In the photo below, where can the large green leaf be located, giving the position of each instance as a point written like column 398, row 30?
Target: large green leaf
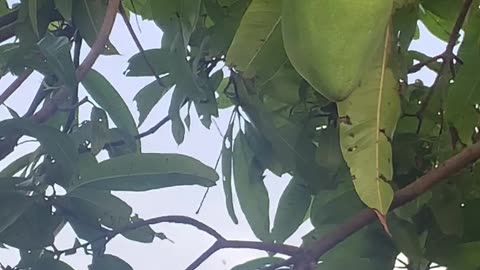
column 34, row 229
column 368, row 120
column 109, row 99
column 158, row 59
column 257, row 45
column 291, row 211
column 251, row 191
column 141, row 172
column 88, row 16
column 464, row 95
column 55, row 143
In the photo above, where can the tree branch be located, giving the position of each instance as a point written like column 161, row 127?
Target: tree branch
column 51, row 106
column 403, row 196
column 220, row 243
column 15, row 85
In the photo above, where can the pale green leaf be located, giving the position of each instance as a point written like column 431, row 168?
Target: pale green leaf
column 368, row 120
column 150, row 95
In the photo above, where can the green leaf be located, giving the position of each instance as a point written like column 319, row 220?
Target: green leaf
column 291, row 211
column 368, row 120
column 88, row 16
column 334, row 206
column 109, row 99
column 141, row 172
column 463, row 95
column 51, row 264
column 65, row 8
column 406, row 238
column 150, row 95
column 251, row 191
column 158, row 58
column 14, row 205
column 168, row 13
column 17, row 165
column 57, row 52
column 109, row 262
column 34, row 229
column 446, row 206
column 258, row 41
column 32, row 13
column 108, row 209
column 258, row 264
column 55, row 143
column 143, row 234
column 227, row 152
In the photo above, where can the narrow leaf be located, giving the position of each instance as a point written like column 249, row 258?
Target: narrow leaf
column 150, row 95
column 141, row 172
column 251, row 191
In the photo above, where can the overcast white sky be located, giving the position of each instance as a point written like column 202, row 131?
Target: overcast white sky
column 200, row 143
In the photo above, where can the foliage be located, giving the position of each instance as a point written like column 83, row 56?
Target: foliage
column 343, row 155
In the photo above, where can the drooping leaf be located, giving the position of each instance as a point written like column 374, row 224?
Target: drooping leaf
column 227, row 155
column 109, row 99
column 109, row 262
column 368, row 119
column 141, row 172
column 14, row 205
column 251, row 191
column 88, row 17
column 292, row 208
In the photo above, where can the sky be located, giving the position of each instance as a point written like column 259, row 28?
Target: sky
column 200, row 143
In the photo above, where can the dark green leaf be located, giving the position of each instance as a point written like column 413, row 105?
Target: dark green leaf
column 56, row 143
column 251, row 191
column 291, row 210
column 51, row 264
column 109, row 262
column 227, row 172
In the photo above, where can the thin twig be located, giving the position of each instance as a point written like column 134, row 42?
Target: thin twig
column 139, row 46
column 15, row 85
column 448, row 57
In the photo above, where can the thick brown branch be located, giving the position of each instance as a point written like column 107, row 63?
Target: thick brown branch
column 15, row 85
column 403, row 196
